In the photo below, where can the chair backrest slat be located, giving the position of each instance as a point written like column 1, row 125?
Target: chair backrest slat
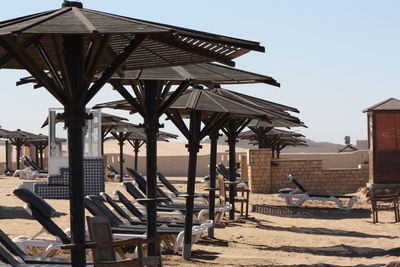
column 132, row 209
column 117, row 208
column 10, row 245
column 167, row 183
column 294, row 180
column 7, row 258
column 100, row 231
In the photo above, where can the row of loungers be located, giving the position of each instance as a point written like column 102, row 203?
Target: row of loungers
column 132, row 222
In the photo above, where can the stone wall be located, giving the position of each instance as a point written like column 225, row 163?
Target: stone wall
column 265, row 177
column 259, row 170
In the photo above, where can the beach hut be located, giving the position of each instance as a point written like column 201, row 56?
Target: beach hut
column 384, row 142
column 74, row 44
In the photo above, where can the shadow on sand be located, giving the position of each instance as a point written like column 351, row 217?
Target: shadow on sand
column 336, row 251
column 321, row 231
column 19, row 213
column 204, row 255
column 206, row 241
column 328, row 265
column 314, row 212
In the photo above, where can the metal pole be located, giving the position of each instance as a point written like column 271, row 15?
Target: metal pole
column 193, row 148
column 151, row 124
column 213, row 164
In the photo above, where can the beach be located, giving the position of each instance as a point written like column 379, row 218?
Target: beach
column 315, row 234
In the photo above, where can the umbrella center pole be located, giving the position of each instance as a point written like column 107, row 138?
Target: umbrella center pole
column 121, row 157
column 212, row 183
column 75, row 122
column 193, row 148
column 232, row 174
column 151, row 125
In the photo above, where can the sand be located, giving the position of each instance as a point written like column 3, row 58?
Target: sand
column 314, row 235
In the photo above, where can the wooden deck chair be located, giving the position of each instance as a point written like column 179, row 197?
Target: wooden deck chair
column 382, row 200
column 243, row 200
column 106, row 249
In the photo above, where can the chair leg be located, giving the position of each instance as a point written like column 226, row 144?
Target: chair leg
column 247, row 205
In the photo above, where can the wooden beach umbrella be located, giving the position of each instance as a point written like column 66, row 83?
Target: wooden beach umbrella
column 275, row 139
column 19, row 138
column 207, row 74
column 233, row 127
column 200, row 106
column 261, row 129
column 2, row 133
column 136, row 137
column 64, row 49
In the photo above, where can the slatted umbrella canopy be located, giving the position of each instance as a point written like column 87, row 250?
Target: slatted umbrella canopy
column 64, row 49
column 276, row 139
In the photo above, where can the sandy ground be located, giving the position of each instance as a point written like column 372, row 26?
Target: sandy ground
column 314, row 235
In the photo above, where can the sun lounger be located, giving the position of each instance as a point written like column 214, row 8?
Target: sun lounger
column 295, row 199
column 43, row 213
column 168, row 202
column 17, row 252
column 174, row 190
column 7, row 258
column 27, row 161
column 171, row 235
column 141, row 217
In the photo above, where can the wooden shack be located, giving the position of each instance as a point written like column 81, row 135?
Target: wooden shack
column 384, row 142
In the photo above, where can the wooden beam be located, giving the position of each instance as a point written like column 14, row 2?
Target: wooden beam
column 176, row 118
column 172, row 98
column 58, row 48
column 128, row 97
column 25, row 44
column 30, row 65
column 117, row 62
column 95, row 54
column 50, row 66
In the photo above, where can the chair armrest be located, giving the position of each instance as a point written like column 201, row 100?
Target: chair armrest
column 238, row 189
column 89, row 244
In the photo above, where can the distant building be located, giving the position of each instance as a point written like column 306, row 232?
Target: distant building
column 362, row 144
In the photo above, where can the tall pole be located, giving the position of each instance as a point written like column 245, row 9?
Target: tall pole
column 136, row 145
column 7, row 157
column 75, row 121
column 232, row 166
column 121, row 155
column 151, row 124
column 193, row 148
column 213, row 175
column 18, row 148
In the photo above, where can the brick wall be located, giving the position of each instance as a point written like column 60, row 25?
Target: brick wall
column 264, row 178
column 259, row 168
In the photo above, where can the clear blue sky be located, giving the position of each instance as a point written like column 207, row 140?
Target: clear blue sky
column 333, row 58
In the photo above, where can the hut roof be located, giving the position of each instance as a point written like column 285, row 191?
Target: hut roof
column 388, row 104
